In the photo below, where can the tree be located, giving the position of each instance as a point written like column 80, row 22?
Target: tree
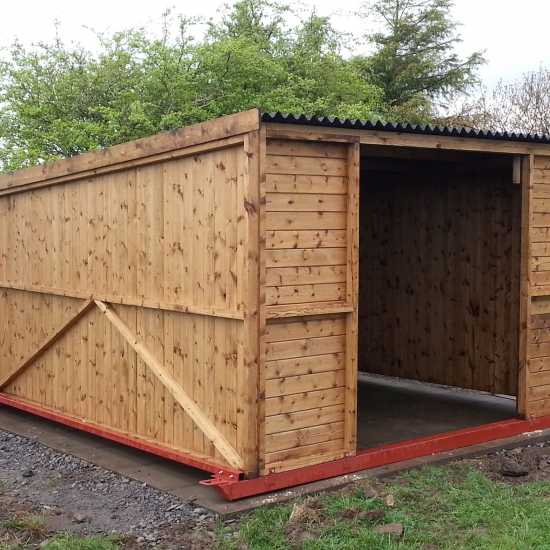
column 58, row 100
column 520, row 105
column 414, row 60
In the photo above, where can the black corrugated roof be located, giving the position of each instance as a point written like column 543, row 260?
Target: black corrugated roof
column 425, row 129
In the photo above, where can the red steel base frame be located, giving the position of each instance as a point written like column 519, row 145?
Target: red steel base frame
column 379, row 456
column 152, row 448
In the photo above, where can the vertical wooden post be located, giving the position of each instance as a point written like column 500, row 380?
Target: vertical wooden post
column 523, row 368
column 352, row 294
column 247, row 379
column 262, row 300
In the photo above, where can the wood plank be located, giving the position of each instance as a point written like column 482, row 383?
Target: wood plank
column 304, row 365
column 305, row 165
column 539, row 335
column 307, row 220
column 304, row 347
column 47, row 344
column 288, row 276
column 542, row 162
column 248, row 413
column 538, row 349
column 541, row 205
column 195, row 413
column 541, row 176
column 304, row 419
column 539, row 321
column 540, row 305
column 539, row 378
column 302, row 183
column 307, row 452
column 540, row 249
column 540, row 191
column 537, row 392
column 302, row 202
column 539, row 219
column 352, row 298
column 540, row 263
column 220, row 128
column 139, row 301
column 299, row 294
column 293, row 148
column 304, row 401
column 538, row 364
column 304, row 383
column 305, row 436
column 403, row 139
column 329, row 238
column 539, row 234
column 304, row 257
column 293, row 464
column 304, row 328
column 299, row 310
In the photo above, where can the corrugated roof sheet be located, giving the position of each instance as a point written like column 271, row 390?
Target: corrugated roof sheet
column 425, row 129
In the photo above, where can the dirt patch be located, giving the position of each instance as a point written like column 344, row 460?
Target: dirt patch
column 518, row 465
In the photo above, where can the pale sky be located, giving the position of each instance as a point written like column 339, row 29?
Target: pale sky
column 514, row 34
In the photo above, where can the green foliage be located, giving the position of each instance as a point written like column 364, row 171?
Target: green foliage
column 415, row 62
column 58, row 100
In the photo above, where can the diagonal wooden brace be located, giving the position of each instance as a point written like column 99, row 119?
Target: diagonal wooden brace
column 194, row 412
column 48, row 343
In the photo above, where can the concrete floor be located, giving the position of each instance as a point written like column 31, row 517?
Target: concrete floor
column 389, row 411
column 392, row 410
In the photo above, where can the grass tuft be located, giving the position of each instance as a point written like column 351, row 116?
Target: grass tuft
column 72, row 542
column 448, row 508
column 33, row 525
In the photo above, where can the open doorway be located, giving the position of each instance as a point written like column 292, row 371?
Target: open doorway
column 438, row 292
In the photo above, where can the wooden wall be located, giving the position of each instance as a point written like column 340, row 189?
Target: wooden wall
column 170, row 236
column 536, row 375
column 439, row 272
column 307, row 303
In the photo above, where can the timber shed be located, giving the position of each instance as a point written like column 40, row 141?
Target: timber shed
column 240, row 295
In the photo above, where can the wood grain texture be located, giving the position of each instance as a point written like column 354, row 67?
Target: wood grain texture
column 307, row 281
column 535, row 296
column 169, row 243
column 439, row 283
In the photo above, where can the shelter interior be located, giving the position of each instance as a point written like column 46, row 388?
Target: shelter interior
column 439, row 290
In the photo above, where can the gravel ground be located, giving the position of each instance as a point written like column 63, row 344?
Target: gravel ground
column 83, row 498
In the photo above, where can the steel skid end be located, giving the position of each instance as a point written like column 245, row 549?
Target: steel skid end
column 220, row 479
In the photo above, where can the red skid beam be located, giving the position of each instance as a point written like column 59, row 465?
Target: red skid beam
column 152, row 448
column 379, row 456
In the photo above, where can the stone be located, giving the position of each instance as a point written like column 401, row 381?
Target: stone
column 79, row 518
column 511, row 468
column 394, row 529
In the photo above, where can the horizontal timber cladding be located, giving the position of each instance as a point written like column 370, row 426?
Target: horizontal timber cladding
column 537, row 242
column 439, row 277
column 307, row 261
column 172, row 236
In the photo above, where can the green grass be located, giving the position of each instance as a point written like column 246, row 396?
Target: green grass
column 444, row 508
column 29, row 523
column 72, row 542
column 27, row 531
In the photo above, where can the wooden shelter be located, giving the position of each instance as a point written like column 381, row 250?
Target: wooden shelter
column 200, row 294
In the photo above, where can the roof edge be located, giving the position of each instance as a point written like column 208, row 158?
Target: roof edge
column 408, row 128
